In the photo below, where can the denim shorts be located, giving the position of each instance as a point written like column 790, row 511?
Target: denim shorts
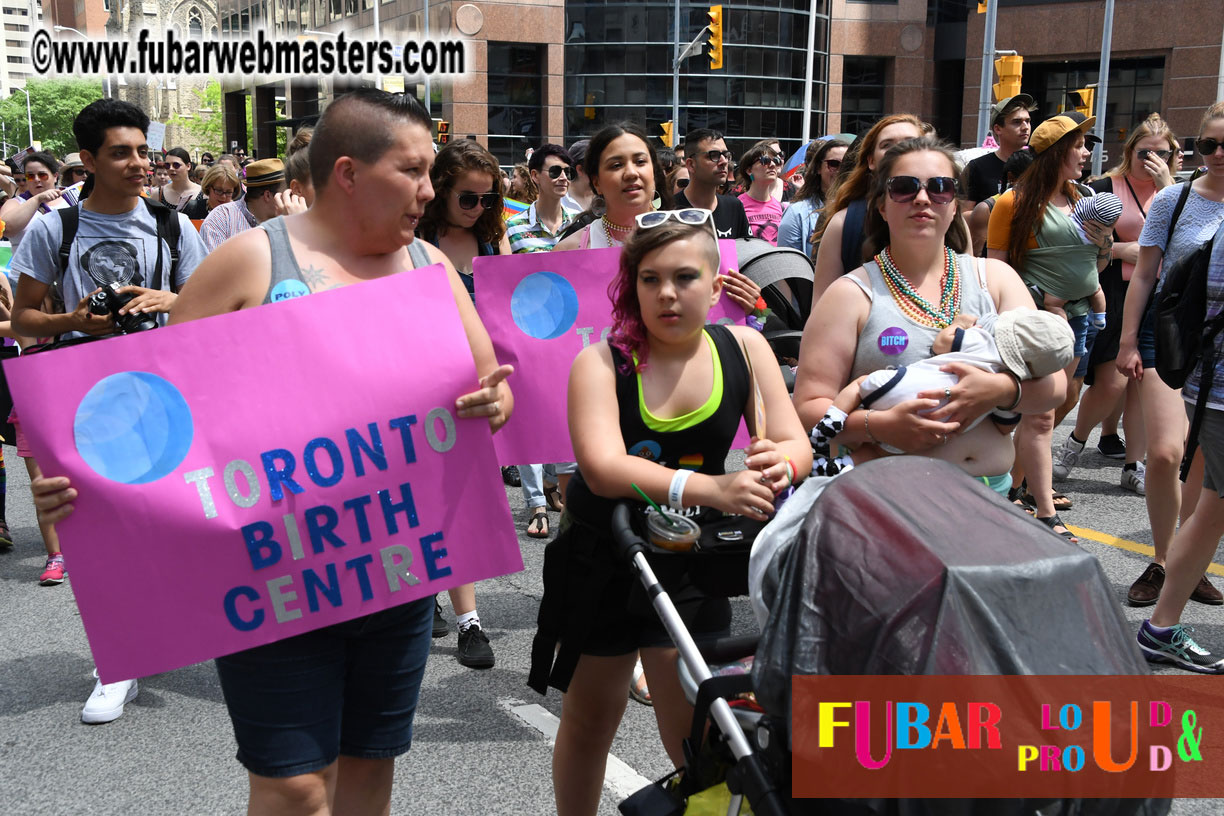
column 1147, row 336
column 1080, row 327
column 349, row 689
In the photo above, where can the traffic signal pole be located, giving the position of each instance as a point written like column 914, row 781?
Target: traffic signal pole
column 1102, row 94
column 988, row 50
column 676, row 78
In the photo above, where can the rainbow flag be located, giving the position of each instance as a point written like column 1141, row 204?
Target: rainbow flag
column 514, row 207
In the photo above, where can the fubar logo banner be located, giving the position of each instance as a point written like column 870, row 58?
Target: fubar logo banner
column 1008, row 737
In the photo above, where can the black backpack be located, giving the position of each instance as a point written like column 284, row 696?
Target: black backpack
column 168, row 229
column 1185, row 339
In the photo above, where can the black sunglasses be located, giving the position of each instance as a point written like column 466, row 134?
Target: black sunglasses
column 904, row 189
column 486, row 200
column 833, row 164
column 1163, row 154
column 716, row 156
column 769, row 161
column 1206, row 147
column 681, row 183
column 557, row 170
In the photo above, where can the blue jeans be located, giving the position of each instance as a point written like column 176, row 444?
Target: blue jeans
column 533, row 477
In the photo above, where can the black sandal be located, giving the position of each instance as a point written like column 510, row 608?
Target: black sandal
column 542, row 531
column 1054, row 521
column 6, row 537
column 552, row 494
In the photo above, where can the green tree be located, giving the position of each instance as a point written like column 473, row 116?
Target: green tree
column 54, row 103
column 208, row 128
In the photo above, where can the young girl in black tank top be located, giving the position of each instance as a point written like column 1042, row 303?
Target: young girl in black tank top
column 657, row 407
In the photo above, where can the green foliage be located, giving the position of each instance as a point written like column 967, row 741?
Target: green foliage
column 54, row 103
column 208, row 129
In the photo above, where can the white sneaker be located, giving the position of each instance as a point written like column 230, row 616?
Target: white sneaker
column 1066, row 458
column 1135, row 480
column 107, row 701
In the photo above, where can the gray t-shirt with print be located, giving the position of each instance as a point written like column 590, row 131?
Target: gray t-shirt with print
column 120, row 249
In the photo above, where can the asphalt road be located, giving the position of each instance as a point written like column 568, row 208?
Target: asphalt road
column 480, row 744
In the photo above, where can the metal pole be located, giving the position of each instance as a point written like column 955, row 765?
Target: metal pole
column 1220, row 74
column 988, row 45
column 1102, row 92
column 810, row 75
column 676, row 78
column 424, row 35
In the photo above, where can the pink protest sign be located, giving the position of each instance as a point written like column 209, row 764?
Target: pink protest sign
column 541, row 309
column 260, row 474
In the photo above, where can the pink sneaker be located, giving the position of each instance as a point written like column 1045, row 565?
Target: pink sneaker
column 54, row 573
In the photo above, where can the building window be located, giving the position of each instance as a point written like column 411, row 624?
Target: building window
column 862, row 92
column 516, row 99
column 195, row 24
column 1135, row 90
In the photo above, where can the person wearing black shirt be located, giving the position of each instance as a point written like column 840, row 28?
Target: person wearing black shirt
column 1011, row 124
column 709, row 163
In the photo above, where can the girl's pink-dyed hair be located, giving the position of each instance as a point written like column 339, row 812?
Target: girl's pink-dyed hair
column 628, row 335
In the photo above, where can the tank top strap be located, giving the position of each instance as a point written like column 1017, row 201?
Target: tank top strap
column 418, row 254
column 285, row 280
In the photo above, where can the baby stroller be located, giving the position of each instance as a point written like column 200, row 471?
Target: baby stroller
column 786, row 280
column 880, row 577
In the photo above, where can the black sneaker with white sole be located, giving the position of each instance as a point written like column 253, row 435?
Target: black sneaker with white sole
column 440, row 627
column 1174, row 645
column 474, row 649
column 1112, row 446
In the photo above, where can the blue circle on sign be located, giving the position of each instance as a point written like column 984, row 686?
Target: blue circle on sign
column 133, row 428
column 544, row 305
column 289, row 289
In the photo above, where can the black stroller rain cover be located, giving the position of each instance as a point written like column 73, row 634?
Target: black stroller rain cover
column 907, row 566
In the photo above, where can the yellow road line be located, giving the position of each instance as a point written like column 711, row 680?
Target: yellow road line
column 1129, row 546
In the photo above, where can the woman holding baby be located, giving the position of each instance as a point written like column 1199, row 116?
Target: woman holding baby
column 1031, row 228
column 890, row 310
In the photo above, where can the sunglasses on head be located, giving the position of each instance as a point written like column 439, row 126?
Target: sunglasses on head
column 904, row 189
column 1206, row 147
column 693, row 217
column 557, row 170
column 833, row 164
column 1163, row 154
column 486, row 201
column 769, row 161
column 718, row 155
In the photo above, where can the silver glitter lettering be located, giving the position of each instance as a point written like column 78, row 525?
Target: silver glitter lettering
column 295, row 539
column 448, row 424
column 200, row 479
column 279, row 597
column 231, row 487
column 585, row 333
column 397, row 571
column 725, row 321
column 603, row 335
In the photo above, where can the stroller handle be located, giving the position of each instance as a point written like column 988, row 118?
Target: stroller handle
column 628, row 543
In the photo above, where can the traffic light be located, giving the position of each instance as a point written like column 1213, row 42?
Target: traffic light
column 1009, row 69
column 443, row 131
column 1087, row 97
column 667, row 133
column 716, row 37
column 982, row 10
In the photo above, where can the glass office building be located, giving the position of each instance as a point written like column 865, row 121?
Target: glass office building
column 618, row 61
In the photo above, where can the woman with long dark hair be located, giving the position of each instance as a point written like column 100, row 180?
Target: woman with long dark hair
column 1162, row 244
column 1031, row 229
column 820, row 168
column 181, row 189
column 839, row 235
column 888, row 311
column 1147, row 166
column 464, row 220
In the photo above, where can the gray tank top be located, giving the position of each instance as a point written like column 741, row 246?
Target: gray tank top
column 286, row 280
column 889, row 338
